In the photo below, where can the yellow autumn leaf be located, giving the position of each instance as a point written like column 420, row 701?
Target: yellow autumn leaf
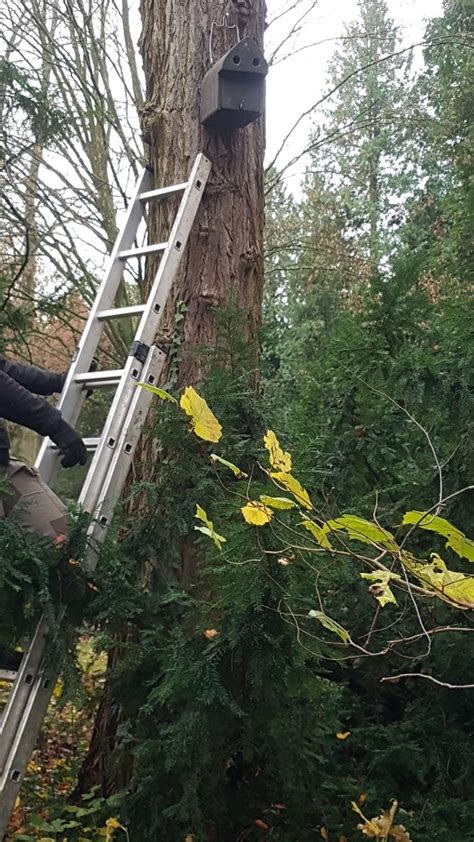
column 369, row 828
column 399, row 833
column 362, row 530
column 203, row 421
column 208, row 528
column 111, row 825
column 449, row 585
column 318, row 532
column 210, row 634
column 456, row 540
column 382, row 827
column 291, row 484
column 160, row 393
column 329, row 624
column 343, row 735
column 58, row 690
column 282, row 503
column 256, row 513
column 380, row 587
column 230, row 465
column 279, row 459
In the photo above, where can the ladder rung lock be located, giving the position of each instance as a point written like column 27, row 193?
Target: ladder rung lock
column 121, row 312
column 15, row 775
column 162, row 191
column 111, row 442
column 124, row 255
column 128, row 448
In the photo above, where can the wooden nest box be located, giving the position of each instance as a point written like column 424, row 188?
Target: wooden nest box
column 233, row 90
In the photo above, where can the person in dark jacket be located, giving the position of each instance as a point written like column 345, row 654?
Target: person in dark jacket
column 40, row 510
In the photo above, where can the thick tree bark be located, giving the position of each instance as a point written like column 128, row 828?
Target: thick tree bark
column 224, row 259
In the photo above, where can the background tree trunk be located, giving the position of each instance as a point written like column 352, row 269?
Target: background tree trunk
column 223, row 263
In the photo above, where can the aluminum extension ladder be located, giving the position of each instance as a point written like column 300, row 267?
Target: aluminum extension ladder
column 26, row 708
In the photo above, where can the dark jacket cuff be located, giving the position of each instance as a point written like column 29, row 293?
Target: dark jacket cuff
column 19, row 405
column 36, row 380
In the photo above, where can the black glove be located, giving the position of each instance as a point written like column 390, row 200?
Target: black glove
column 70, row 444
column 4, row 457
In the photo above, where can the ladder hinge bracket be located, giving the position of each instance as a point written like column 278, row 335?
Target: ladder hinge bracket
column 140, row 351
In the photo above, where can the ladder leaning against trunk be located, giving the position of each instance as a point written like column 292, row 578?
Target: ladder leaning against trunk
column 32, row 687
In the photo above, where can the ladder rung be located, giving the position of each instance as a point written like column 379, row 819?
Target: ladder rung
column 91, row 443
column 120, row 312
column 98, row 379
column 162, row 191
column 123, row 255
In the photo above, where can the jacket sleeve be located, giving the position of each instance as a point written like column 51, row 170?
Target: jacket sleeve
column 17, row 404
column 36, row 380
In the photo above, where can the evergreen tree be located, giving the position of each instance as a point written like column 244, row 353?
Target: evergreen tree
column 360, row 151
column 444, row 205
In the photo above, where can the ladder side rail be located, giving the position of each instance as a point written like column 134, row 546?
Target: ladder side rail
column 122, row 458
column 150, row 321
column 110, row 435
column 21, row 690
column 73, row 394
column 23, row 746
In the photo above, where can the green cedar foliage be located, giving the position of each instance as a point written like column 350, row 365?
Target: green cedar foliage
column 213, row 720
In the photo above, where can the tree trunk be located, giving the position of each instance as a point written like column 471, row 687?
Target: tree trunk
column 224, row 258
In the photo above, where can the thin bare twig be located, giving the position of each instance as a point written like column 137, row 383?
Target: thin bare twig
column 394, row 678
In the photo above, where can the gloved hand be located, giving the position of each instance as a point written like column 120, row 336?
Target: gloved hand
column 70, row 444
column 4, row 457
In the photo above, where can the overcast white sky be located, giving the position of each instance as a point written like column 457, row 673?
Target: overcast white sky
column 294, row 84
